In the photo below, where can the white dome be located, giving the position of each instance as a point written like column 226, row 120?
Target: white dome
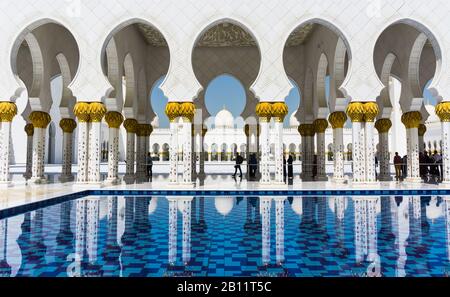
column 224, row 205
column 224, row 119
column 293, row 122
column 433, row 118
column 297, row 205
column 153, row 205
column 155, row 122
column 433, row 210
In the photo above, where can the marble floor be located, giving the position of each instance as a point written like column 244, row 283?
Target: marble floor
column 21, row 193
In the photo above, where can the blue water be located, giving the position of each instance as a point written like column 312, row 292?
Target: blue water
column 230, row 236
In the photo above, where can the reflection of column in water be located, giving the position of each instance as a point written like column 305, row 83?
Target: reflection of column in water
column 5, row 268
column 65, row 234
column 322, row 212
column 173, row 209
column 93, row 215
column 279, row 223
column 186, row 211
column 360, row 229
column 80, row 231
column 415, row 220
column 447, row 225
column 400, row 227
column 111, row 236
column 339, row 205
column 264, row 207
column 373, row 257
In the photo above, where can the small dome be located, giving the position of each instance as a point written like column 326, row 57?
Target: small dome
column 224, row 119
column 224, row 205
column 433, row 118
column 155, row 122
column 153, row 205
column 293, row 122
column 434, row 211
column 297, row 205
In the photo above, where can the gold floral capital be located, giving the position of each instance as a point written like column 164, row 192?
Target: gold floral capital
column 264, row 111
column 356, row 112
column 8, row 110
column 114, row 119
column 320, row 125
column 29, row 129
column 81, row 111
column 130, row 125
column 279, row 111
column 443, row 111
column 412, row 119
column 187, row 111
column 422, row 130
column 68, row 125
column 40, row 119
column 371, row 111
column 383, row 125
column 307, row 130
column 97, row 111
column 172, row 111
column 337, row 119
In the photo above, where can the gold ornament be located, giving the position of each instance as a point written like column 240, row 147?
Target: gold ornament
column 264, row 111
column 337, row 119
column 173, row 111
column 81, row 111
column 279, row 111
column 68, row 125
column 411, row 119
column 383, row 125
column 422, row 130
column 130, row 125
column 97, row 111
column 40, row 119
column 320, row 125
column 443, row 111
column 114, row 119
column 307, row 130
column 29, row 129
column 356, row 112
column 8, row 110
column 187, row 111
column 371, row 111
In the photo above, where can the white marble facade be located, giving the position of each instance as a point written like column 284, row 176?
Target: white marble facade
column 114, row 60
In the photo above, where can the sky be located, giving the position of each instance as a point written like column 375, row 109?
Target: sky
column 226, row 91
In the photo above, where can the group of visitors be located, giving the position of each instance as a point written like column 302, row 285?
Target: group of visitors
column 430, row 166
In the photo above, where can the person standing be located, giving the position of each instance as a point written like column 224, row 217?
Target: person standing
column 438, row 164
column 290, row 163
column 284, row 169
column 398, row 162
column 239, row 161
column 405, row 166
column 149, row 162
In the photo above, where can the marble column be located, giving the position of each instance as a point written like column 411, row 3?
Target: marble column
column 67, row 126
column 264, row 112
column 140, row 153
column 97, row 110
column 412, row 120
column 422, row 131
column 383, row 126
column 29, row 129
column 308, row 132
column 443, row 112
column 370, row 113
column 202, row 173
column 81, row 111
column 131, row 127
column 302, row 131
column 173, row 113
column 320, row 126
column 279, row 112
column 114, row 120
column 187, row 112
column 356, row 112
column 40, row 121
column 337, row 120
column 8, row 111
column 173, row 218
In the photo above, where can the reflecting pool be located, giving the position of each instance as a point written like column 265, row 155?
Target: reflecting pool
column 230, row 236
